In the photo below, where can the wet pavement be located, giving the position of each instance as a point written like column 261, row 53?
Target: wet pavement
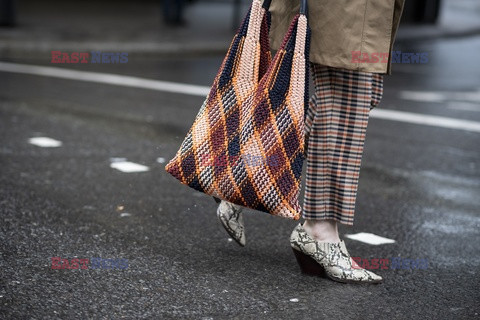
column 419, row 186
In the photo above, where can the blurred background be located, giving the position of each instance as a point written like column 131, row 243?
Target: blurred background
column 150, row 26
column 83, row 149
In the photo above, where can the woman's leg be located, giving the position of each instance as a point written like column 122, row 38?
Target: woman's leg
column 336, row 124
column 322, row 230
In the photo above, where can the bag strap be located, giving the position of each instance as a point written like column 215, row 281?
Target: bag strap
column 303, row 6
column 266, row 4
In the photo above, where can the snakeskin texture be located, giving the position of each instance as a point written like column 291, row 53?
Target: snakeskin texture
column 255, row 109
column 231, row 217
column 333, row 257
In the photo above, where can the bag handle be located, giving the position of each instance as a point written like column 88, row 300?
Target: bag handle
column 266, row 4
column 303, row 6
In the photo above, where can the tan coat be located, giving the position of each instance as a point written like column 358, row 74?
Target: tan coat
column 340, row 27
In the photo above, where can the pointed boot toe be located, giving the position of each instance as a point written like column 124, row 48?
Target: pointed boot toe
column 231, row 217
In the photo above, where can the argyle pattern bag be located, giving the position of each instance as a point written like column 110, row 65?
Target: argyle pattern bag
column 246, row 143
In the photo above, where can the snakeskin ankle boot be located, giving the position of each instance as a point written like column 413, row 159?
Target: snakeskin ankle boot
column 231, row 217
column 328, row 259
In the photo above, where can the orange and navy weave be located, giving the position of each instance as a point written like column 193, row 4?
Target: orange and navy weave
column 255, row 110
column 336, row 123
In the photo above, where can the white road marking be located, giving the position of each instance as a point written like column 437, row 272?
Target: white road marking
column 440, row 96
column 106, row 78
column 128, row 167
column 294, row 300
column 125, row 214
column 45, row 142
column 423, row 96
column 165, row 86
column 161, row 160
column 369, row 238
column 461, row 105
column 429, row 120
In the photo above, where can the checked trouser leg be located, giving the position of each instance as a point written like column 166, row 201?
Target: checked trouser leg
column 335, row 126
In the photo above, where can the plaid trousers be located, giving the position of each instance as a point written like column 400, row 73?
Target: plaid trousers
column 335, row 127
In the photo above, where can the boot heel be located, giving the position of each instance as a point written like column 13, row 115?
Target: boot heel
column 308, row 265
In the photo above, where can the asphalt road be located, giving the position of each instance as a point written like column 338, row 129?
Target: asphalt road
column 419, row 185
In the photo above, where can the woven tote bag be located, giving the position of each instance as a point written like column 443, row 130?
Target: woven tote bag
column 246, row 143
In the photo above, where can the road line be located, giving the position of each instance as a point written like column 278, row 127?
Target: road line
column 369, row 238
column 423, row 96
column 441, row 96
column 425, row 119
column 195, row 90
column 466, row 106
column 106, row 78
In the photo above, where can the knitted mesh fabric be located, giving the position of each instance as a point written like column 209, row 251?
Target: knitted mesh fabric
column 255, row 110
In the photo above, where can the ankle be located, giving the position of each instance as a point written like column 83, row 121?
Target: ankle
column 322, row 230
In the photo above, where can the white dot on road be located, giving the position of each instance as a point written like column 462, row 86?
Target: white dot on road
column 125, row 214
column 45, row 142
column 369, row 238
column 128, row 167
column 294, row 300
column 161, row 160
